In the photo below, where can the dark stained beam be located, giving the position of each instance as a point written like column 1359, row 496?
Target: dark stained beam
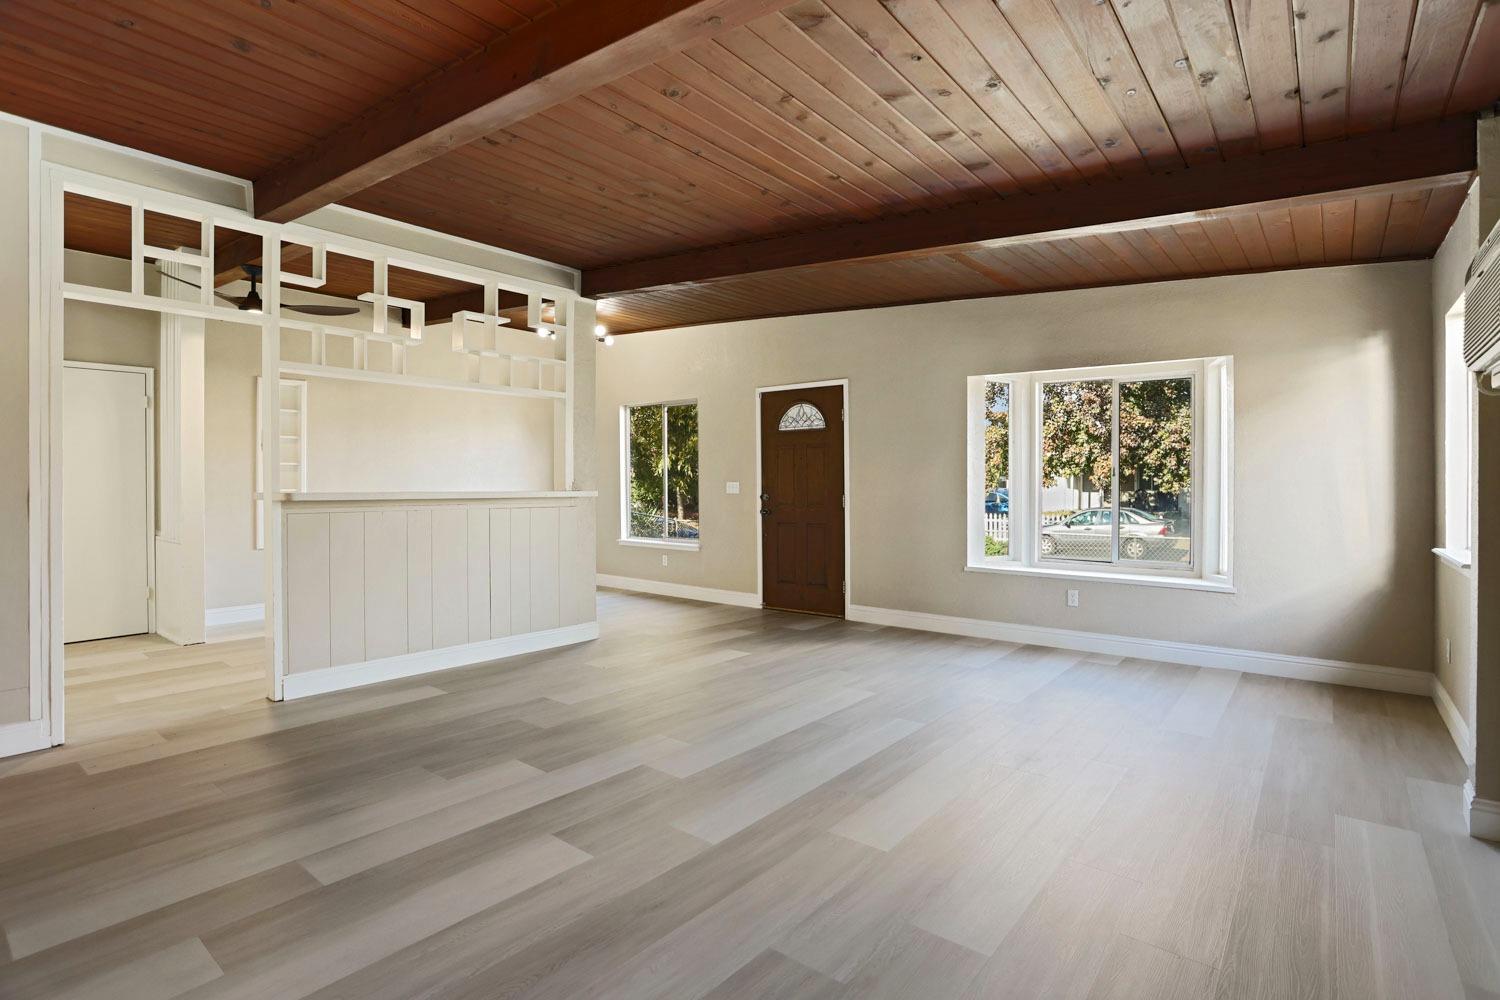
column 1434, row 153
column 243, row 249
column 583, row 45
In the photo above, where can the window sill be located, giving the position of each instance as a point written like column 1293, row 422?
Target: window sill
column 1131, row 579
column 1457, row 558
column 660, row 543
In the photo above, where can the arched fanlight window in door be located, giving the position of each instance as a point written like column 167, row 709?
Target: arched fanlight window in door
column 802, row 417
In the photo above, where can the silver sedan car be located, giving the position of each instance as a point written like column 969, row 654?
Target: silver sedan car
column 1086, row 534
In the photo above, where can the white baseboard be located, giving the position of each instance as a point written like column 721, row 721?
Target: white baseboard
column 738, row 598
column 1305, row 668
column 1484, row 819
column 353, row 675
column 24, row 737
column 1454, row 720
column 237, row 615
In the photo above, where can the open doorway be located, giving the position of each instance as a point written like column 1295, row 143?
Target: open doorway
column 126, row 673
column 126, row 431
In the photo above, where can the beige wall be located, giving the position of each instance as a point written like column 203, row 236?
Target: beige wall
column 1454, row 628
column 110, row 335
column 1487, row 603
column 1333, row 462
column 1467, row 602
column 1486, row 579
column 233, row 568
column 15, row 423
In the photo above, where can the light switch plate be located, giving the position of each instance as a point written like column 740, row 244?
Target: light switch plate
column 731, row 488
column 1072, row 598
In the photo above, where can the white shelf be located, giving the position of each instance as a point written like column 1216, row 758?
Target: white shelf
column 415, row 381
column 460, row 495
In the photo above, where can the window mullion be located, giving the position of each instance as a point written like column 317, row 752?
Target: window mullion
column 666, row 463
column 1114, row 472
column 1030, row 517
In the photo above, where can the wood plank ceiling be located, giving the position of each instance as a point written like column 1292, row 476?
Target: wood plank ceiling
column 852, row 108
column 827, row 112
column 231, row 85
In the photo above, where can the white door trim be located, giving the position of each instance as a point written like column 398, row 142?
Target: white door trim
column 150, row 374
column 760, row 556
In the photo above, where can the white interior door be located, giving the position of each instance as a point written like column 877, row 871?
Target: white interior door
column 106, row 456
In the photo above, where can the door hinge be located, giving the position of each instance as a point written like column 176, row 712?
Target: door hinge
column 150, row 593
column 844, row 500
column 844, row 587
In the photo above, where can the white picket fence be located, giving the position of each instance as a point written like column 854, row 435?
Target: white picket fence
column 997, row 526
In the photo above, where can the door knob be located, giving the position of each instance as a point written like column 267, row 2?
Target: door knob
column 765, row 512
column 765, row 496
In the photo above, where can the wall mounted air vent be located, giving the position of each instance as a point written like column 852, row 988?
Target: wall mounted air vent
column 1482, row 308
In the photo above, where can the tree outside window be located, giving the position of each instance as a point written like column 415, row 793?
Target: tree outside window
column 1100, row 466
column 662, row 443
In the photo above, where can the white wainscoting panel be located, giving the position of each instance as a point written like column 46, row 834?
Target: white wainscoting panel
column 371, row 582
column 346, row 587
column 450, row 577
column 418, row 580
column 545, row 529
column 386, row 576
column 307, row 596
column 502, row 621
column 479, row 575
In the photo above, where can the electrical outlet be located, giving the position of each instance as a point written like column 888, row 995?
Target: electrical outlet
column 1072, row 598
column 663, row 560
column 731, row 488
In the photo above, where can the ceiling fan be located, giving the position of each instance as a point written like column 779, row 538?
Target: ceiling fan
column 251, row 302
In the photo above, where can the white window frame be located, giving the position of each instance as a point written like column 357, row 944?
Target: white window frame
column 689, row 544
column 1460, row 413
column 1213, row 455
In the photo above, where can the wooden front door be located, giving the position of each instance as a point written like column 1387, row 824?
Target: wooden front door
column 802, row 499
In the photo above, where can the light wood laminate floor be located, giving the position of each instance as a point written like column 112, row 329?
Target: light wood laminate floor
column 725, row 803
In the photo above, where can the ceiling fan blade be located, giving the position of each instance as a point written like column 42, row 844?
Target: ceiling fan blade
column 238, row 301
column 234, row 300
column 181, row 281
column 323, row 310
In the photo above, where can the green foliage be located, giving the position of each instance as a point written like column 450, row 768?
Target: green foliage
column 1076, row 432
column 995, row 547
column 996, row 434
column 647, row 459
column 682, row 461
column 1156, row 434
column 1156, row 429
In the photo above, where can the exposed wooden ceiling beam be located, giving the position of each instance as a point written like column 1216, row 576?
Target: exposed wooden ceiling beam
column 583, row 45
column 1430, row 154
